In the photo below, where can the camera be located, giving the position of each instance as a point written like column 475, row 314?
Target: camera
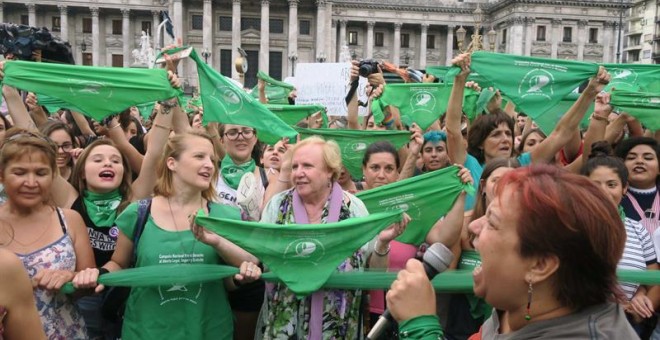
column 368, row 66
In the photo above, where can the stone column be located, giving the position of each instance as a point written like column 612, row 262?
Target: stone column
column 330, row 34
column 64, row 22
column 422, row 46
column 450, row 44
column 529, row 32
column 177, row 10
column 607, row 41
column 615, row 34
column 154, row 28
column 264, row 49
column 556, row 37
column 370, row 40
column 320, row 31
column 235, row 35
column 96, row 37
column 207, row 30
column 517, row 36
column 342, row 33
column 293, row 34
column 126, row 35
column 2, row 12
column 32, row 14
column 582, row 24
column 396, row 54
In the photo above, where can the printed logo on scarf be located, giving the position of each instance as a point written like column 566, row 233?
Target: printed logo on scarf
column 180, row 292
column 354, row 150
column 304, row 249
column 423, row 101
column 537, row 82
column 229, row 98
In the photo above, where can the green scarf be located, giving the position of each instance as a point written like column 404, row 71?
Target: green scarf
column 292, row 114
column 302, row 255
column 424, row 198
column 551, row 117
column 226, row 103
column 96, row 91
column 540, row 83
column 102, row 208
column 643, row 106
column 232, row 173
column 622, row 213
column 354, row 143
column 634, row 77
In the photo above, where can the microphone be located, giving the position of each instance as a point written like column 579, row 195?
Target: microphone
column 437, row 259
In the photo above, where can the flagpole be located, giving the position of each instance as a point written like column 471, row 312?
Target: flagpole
column 618, row 43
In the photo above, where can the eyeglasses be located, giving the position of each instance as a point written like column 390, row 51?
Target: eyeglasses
column 233, row 134
column 66, row 147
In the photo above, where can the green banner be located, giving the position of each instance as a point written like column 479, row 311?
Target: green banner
column 550, row 118
column 353, row 143
column 96, row 91
column 302, row 255
column 643, row 106
column 634, row 77
column 292, row 114
column 425, row 198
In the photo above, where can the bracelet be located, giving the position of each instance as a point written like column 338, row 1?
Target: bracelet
column 112, row 127
column 381, row 254
column 163, row 127
column 103, row 271
column 282, row 180
column 599, row 117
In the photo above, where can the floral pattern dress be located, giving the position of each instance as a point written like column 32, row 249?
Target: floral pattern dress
column 59, row 315
column 286, row 316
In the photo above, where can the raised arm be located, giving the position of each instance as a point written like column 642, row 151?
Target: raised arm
column 116, row 134
column 596, row 131
column 456, row 149
column 82, row 124
column 570, row 122
column 448, row 229
column 414, row 147
column 352, row 103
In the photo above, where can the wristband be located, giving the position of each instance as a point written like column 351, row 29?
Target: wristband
column 351, row 92
column 103, row 271
column 381, row 254
column 598, row 117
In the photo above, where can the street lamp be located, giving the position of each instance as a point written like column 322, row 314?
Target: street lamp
column 321, row 58
column 206, row 54
column 83, row 46
column 492, row 35
column 476, row 39
column 406, row 59
column 293, row 57
column 460, row 37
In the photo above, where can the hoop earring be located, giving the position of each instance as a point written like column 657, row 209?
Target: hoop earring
column 530, row 290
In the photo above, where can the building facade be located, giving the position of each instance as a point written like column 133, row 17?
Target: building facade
column 277, row 34
column 643, row 33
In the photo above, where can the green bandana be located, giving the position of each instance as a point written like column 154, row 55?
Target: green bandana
column 622, row 213
column 542, row 83
column 292, row 114
column 353, row 143
column 225, row 103
column 102, row 208
column 634, row 77
column 97, row 91
column 232, row 173
column 277, row 92
column 420, row 103
column 424, row 198
column 643, row 106
column 550, row 118
column 302, row 255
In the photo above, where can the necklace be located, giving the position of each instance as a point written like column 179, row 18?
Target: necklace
column 27, row 245
column 178, row 233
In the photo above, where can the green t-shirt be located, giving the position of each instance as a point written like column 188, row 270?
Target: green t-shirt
column 192, row 311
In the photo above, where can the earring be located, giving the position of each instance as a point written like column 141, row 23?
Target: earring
column 530, row 290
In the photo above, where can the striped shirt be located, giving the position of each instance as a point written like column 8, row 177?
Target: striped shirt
column 638, row 253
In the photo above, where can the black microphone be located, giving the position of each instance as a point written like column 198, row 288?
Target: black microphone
column 437, row 259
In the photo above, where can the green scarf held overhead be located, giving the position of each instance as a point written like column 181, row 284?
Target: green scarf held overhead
column 634, row 77
column 420, row 103
column 424, row 198
column 353, row 143
column 292, row 114
column 302, row 255
column 643, row 106
column 146, row 110
column 446, row 75
column 102, row 208
column 534, row 84
column 277, row 92
column 550, row 118
column 232, row 172
column 225, row 103
column 96, row 91
column 53, row 105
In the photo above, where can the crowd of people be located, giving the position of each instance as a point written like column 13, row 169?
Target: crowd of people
column 553, row 217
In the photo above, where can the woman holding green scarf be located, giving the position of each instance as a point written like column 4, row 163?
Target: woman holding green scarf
column 239, row 142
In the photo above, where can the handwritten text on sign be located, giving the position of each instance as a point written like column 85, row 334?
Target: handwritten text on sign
column 327, row 84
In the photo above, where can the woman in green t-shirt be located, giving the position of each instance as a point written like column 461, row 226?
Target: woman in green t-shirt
column 186, row 174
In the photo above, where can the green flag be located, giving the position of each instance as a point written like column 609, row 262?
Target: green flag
column 146, row 110
column 534, row 84
column 353, row 143
column 422, row 103
column 634, row 77
column 424, row 198
column 446, row 74
column 302, row 255
column 53, row 104
column 226, row 103
column 643, row 106
column 292, row 114
column 277, row 92
column 97, row 91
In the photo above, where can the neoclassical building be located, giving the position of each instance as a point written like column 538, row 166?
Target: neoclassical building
column 277, row 34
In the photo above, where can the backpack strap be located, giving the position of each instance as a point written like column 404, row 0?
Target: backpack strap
column 143, row 211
